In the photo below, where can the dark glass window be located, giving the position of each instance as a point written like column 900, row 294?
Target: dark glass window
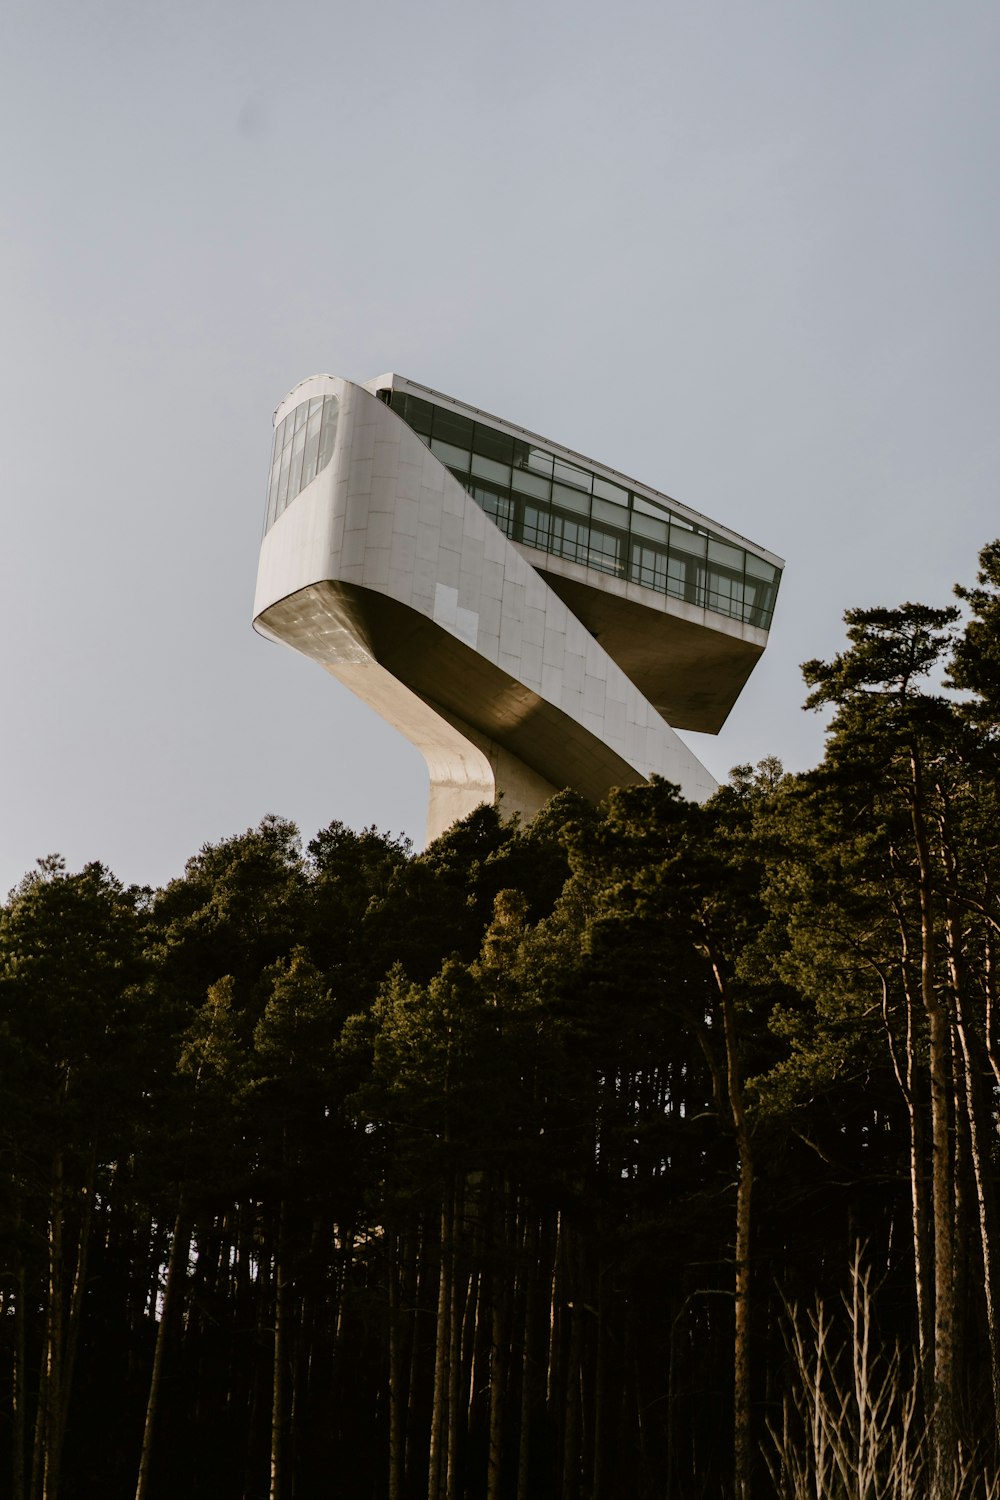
column 414, row 412
column 649, row 567
column 536, row 527
column 451, row 428
column 570, row 539
column 760, row 587
column 498, row 505
column 606, row 551
column 492, row 455
column 493, row 444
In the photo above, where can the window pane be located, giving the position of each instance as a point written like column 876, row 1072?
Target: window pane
column 649, row 567
column 729, row 556
column 606, row 551
column 685, row 578
column 493, row 444
column 499, row 507
column 491, row 468
column 570, row 538
column 286, row 459
column 692, row 543
column 609, row 491
column 272, row 484
column 614, row 515
column 311, row 455
column 570, row 474
column 455, row 458
column 536, row 527
column 758, row 568
column 725, row 593
column 531, row 484
column 648, row 507
column 646, row 526
column 295, row 474
column 452, row 429
column 416, row 413
column 526, row 457
column 328, row 432
column 569, row 499
column 758, row 603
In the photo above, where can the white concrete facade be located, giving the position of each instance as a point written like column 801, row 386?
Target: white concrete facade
column 385, row 570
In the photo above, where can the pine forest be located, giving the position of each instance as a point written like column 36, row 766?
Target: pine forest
column 640, row 1152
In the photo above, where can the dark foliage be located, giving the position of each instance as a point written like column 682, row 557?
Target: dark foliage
column 495, row 1171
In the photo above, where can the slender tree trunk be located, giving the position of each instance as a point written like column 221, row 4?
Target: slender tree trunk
column 442, row 1344
column 459, row 1292
column 555, row 1371
column 64, row 1314
column 74, row 1313
column 282, row 1330
column 172, row 1296
column 532, row 1272
column 18, row 1382
column 498, row 1348
column 470, row 1341
column 742, row 1446
column 49, row 1423
column 989, row 973
column 943, row 1416
column 397, row 1407
column 742, row 1450
column 906, row 1077
column 573, row 1429
column 602, row 1403
column 985, row 1201
column 413, row 1451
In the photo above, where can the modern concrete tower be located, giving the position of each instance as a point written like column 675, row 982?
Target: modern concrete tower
column 529, row 618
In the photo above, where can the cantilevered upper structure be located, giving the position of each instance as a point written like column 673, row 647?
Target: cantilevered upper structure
column 529, row 618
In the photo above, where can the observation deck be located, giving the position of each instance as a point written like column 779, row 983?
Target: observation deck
column 529, row 618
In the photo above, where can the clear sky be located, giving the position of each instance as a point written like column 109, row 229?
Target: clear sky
column 745, row 252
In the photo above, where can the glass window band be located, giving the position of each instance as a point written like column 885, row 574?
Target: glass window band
column 545, row 502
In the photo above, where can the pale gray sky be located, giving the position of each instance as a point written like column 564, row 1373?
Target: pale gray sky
column 745, row 252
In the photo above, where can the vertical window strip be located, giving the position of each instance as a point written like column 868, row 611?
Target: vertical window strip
column 303, row 446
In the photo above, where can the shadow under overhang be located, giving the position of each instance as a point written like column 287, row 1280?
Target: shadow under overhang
column 340, row 623
column 691, row 670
